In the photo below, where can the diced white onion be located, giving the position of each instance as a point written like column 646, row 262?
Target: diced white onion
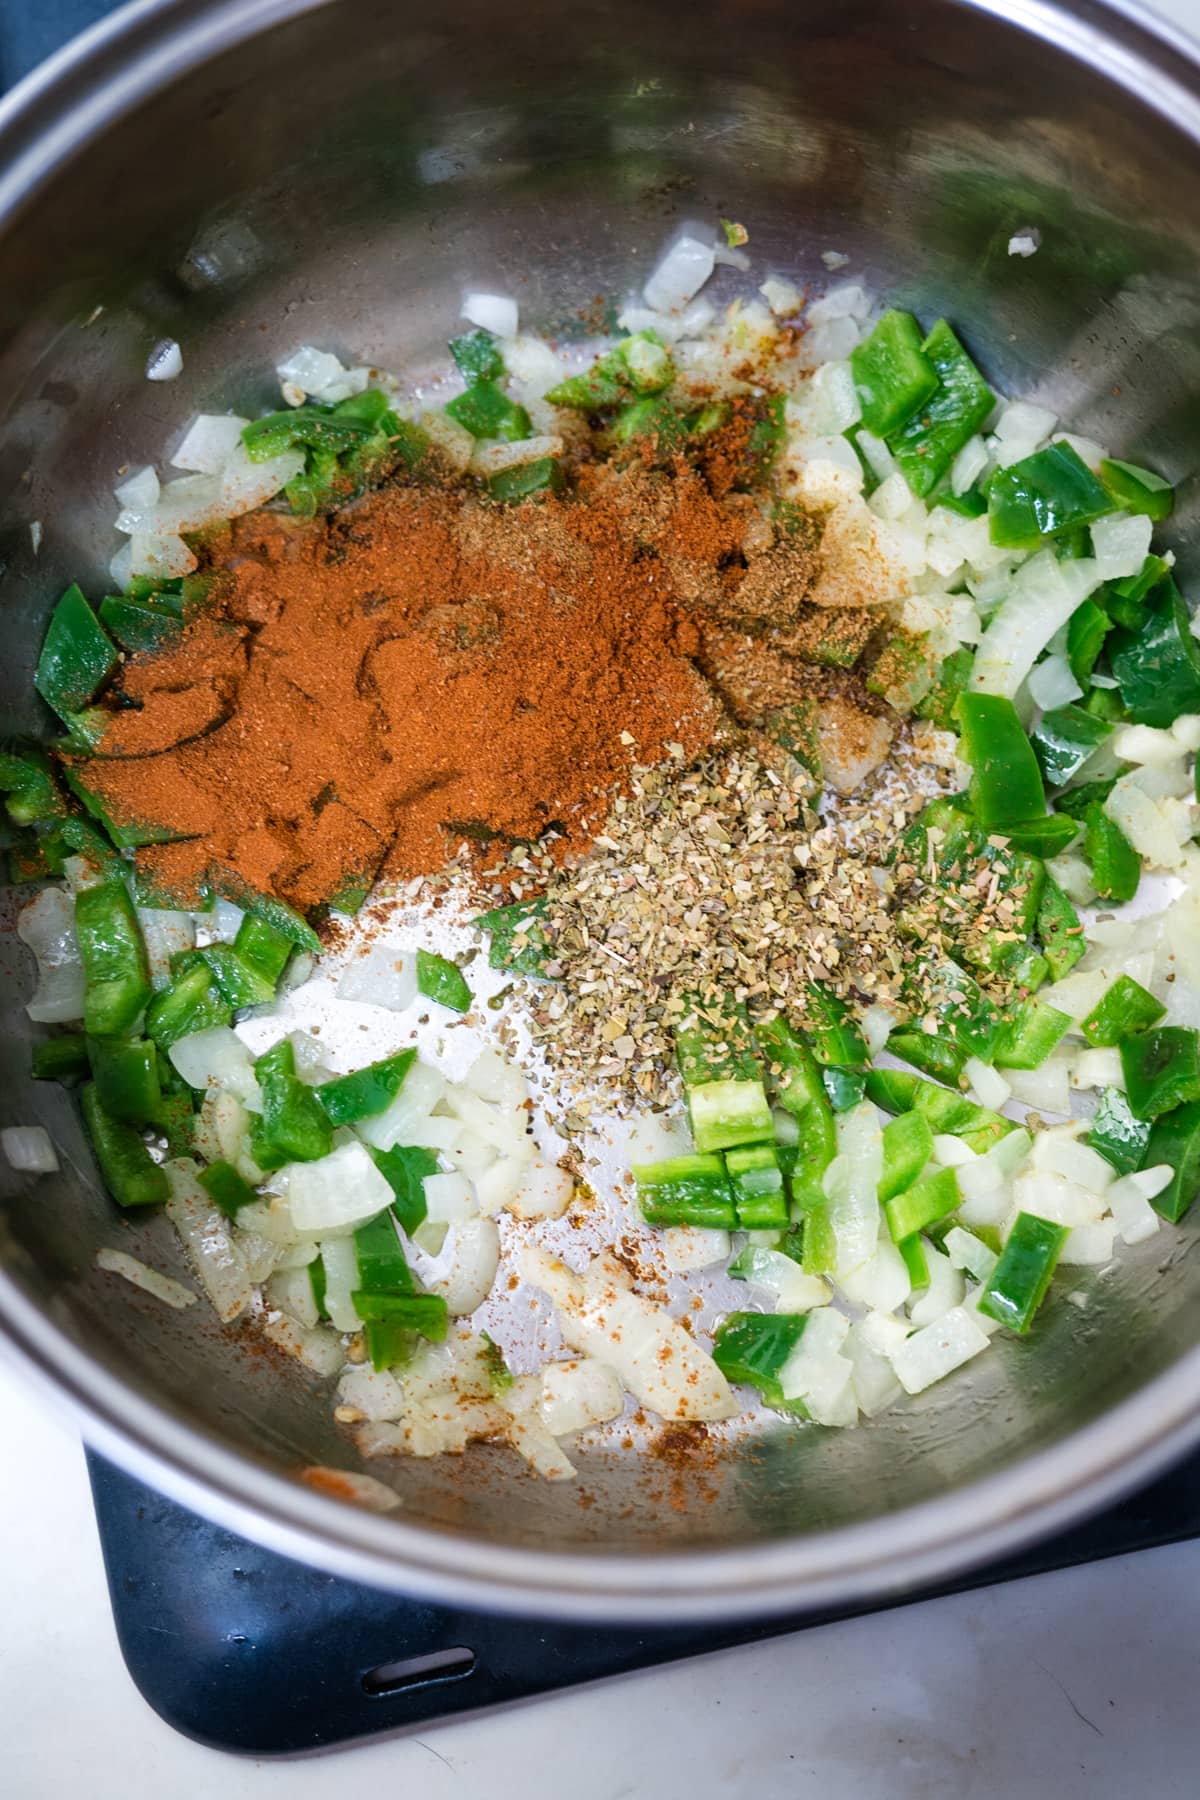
column 817, row 1373
column 1047, row 1089
column 492, row 312
column 951, row 1152
column 882, row 1283
column 466, row 1268
column 206, row 445
column 1145, row 744
column 315, row 1348
column 246, row 484
column 449, row 1199
column 528, row 1435
column 139, row 491
column 1052, row 684
column 310, row 369
column 968, row 1252
column 1097, row 1069
column 988, row 1084
column 869, row 1344
column 968, row 465
column 218, row 1058
column 258, row 1255
column 165, row 361
column 151, row 1281
column 1055, row 1198
column 351, row 1484
column 204, row 1233
column 1056, row 1153
column 877, row 1024
column 998, row 1164
column 291, row 1291
column 164, row 934
column 385, row 976
column 945, row 1290
column 1043, row 595
column 783, row 297
column 938, row 1349
column 1132, row 1214
column 373, row 1392
column 1144, row 823
column 342, row 1188
column 161, row 554
column 1025, row 243
column 491, row 459
column 689, row 1247
column 1088, row 1245
column 544, row 1192
column 579, row 1393
column 1121, row 544
column 793, row 1291
column 851, row 1186
column 681, row 273
column 28, row 1149
column 340, row 1260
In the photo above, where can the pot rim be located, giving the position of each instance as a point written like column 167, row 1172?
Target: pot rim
column 45, row 120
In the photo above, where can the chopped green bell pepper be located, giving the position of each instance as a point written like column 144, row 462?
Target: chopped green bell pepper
column 263, row 947
column 28, row 781
column 1087, row 629
column 923, row 1204
column 1158, row 667
column 1019, row 1282
column 756, row 1180
column 1117, row 1135
column 1060, row 930
column 78, row 656
column 835, row 1038
column 1115, row 864
column 519, row 943
column 63, row 1058
column 1161, row 1069
column 1138, row 490
column 293, row 1126
column 443, row 981
column 117, row 978
column 486, row 411
column 404, row 1167
column 125, row 1071
column 543, row 474
column 1042, row 496
column 892, row 373
column 686, row 1190
column 927, row 443
column 192, row 1003
column 1175, row 1141
column 1064, row 739
column 130, row 1173
column 382, row 1265
column 310, row 426
column 1007, row 782
column 752, row 1348
column 364, row 1093
column 477, row 356
column 1126, row 1008
column 1029, row 1035
column 939, row 703
column 239, row 983
column 907, row 1147
column 226, row 1188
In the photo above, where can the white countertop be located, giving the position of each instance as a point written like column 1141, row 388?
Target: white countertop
column 1081, row 1685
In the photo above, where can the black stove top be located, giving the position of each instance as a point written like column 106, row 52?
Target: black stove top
column 246, row 1650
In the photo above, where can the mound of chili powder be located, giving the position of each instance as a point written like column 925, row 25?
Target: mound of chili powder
column 364, row 691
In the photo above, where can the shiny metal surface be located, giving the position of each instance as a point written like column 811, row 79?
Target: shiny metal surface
column 248, row 176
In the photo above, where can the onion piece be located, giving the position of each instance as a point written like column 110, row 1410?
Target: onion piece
column 528, row 1435
column 464, row 1271
column 28, row 1149
column 385, row 976
column 817, row 1373
column 988, row 1084
column 869, row 1345
column 945, row 1290
column 449, row 1199
column 340, row 1261
column 968, row 1252
column 139, row 491
column 217, row 1058
column 47, row 926
column 492, row 312
column 686, row 1248
column 938, row 1349
column 1129, row 1204
column 654, row 1357
column 490, row 459
column 1088, row 1245
column 343, row 1188
column 792, row 1290
column 165, row 361
column 851, row 1185
column 1052, row 684
column 1043, row 595
column 1121, row 544
column 881, row 1284
column 164, row 934
column 204, row 1233
column 317, row 1348
column 579, row 1393
column 291, row 1291
column 206, row 445
column 375, row 1393
column 246, row 485
column 151, row 1281
column 681, row 273
column 420, row 1091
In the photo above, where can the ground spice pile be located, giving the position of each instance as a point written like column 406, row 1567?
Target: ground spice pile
column 714, row 880
column 364, row 692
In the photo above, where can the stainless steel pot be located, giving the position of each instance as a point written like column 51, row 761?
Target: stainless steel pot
column 246, row 175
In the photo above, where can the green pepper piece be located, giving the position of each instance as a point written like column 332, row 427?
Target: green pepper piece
column 519, row 943
column 1158, row 667
column 1124, row 601
column 130, row 1173
column 794, row 729
column 715, row 1043
column 907, row 1147
column 229, row 885
column 752, row 1348
column 971, row 505
column 892, row 373
column 1063, row 741
column 390, row 1341
column 835, row 1038
column 1117, row 1135
column 192, row 1003
column 912, row 1250
column 294, row 1126
column 1161, row 1069
column 262, row 947
column 239, row 983
column 63, row 1058
column 117, row 979
column 27, row 779
column 486, row 411
column 1027, row 1038
column 1019, row 1282
column 477, row 356
column 1115, row 864
column 382, row 1265
column 757, row 1183
column 426, row 1314
column 946, row 1111
column 922, row 1205
column 125, row 1072
column 226, row 1188
column 1126, row 1008
column 1059, row 928
column 1138, row 490
column 136, row 626
column 930, row 1052
column 1043, row 496
column 724, row 1114
column 1075, row 801
column 405, row 1167
column 640, row 364
column 314, row 487
column 310, row 426
column 845, row 1087
column 939, row 703
column 78, row 656
column 1007, row 783
column 927, row 443
column 686, row 1190
column 1048, row 836
column 366, row 1092
column 441, row 980
column 1106, row 704
column 1087, row 629
column 542, row 475
column 1175, row 1141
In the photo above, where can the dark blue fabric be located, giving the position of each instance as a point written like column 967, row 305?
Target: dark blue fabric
column 31, row 29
